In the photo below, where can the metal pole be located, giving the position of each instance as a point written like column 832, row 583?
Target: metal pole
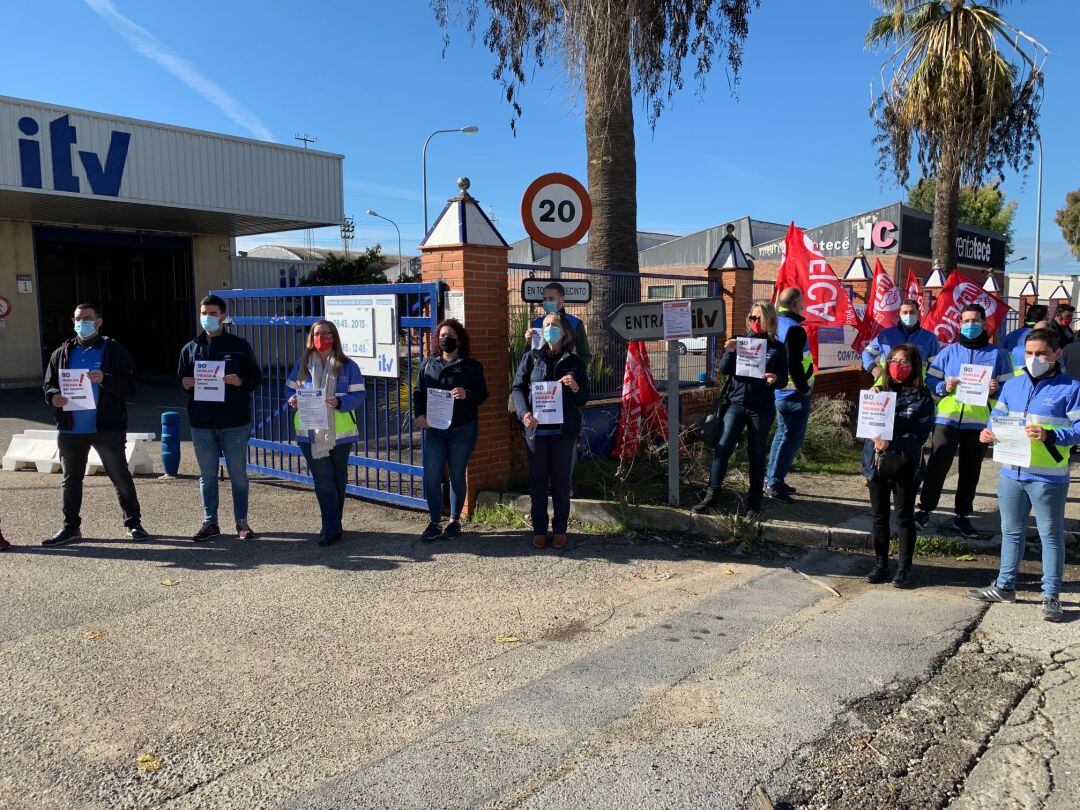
column 673, row 421
column 556, row 264
column 1038, row 218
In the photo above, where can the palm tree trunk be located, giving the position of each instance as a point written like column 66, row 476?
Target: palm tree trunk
column 609, row 139
column 946, row 206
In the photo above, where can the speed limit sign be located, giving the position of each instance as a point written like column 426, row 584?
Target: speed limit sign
column 556, row 210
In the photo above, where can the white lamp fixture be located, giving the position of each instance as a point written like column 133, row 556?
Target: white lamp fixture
column 859, row 269
column 991, row 285
column 936, row 280
column 730, row 255
column 1029, row 289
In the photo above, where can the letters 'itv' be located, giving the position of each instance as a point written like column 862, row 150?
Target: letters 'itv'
column 104, row 180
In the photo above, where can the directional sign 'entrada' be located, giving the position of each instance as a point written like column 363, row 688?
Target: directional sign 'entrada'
column 645, row 321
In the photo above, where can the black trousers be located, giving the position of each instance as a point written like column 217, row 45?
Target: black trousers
column 550, row 463
column 947, row 440
column 74, row 450
column 881, row 491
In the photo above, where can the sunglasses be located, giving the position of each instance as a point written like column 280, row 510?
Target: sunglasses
column 753, row 318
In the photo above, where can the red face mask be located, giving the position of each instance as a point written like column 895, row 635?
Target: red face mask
column 755, row 327
column 323, row 343
column 899, row 370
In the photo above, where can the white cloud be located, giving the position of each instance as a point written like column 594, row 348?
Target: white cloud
column 157, row 51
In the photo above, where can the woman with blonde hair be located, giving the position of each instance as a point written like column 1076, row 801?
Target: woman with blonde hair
column 325, row 367
column 748, row 404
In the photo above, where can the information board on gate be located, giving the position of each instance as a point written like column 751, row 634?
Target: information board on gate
column 368, row 328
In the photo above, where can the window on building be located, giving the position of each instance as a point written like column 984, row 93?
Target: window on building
column 695, row 290
column 660, row 291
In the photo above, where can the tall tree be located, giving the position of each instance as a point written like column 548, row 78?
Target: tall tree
column 1068, row 219
column 983, row 206
column 962, row 90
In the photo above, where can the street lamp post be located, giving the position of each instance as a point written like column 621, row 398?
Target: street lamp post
column 469, row 130
column 1038, row 216
column 371, row 213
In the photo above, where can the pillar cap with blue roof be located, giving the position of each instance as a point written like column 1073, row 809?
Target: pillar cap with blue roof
column 462, row 223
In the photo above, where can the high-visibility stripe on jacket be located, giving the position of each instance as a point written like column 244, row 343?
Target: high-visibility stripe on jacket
column 1052, row 403
column 947, row 364
column 784, row 325
column 350, row 393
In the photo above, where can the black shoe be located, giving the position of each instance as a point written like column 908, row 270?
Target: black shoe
column 922, row 518
column 138, row 533
column 902, row 578
column 329, row 540
column 750, row 512
column 779, row 495
column 782, row 487
column 432, row 532
column 207, row 531
column 962, row 526
column 452, row 530
column 244, row 532
column 4, row 544
column 710, row 500
column 63, row 537
column 879, row 573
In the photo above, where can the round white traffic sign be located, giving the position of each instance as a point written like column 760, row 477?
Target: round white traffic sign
column 5, row 307
column 556, row 210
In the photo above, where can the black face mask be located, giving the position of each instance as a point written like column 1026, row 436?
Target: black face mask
column 447, row 344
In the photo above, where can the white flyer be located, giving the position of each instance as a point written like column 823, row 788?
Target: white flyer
column 1011, row 444
column 312, row 410
column 76, row 386
column 547, row 402
column 677, row 320
column 440, row 408
column 973, row 386
column 877, row 411
column 750, row 357
column 537, row 338
column 209, row 380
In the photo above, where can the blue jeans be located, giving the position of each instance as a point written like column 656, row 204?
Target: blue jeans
column 447, row 449
column 757, row 424
column 1015, row 501
column 793, row 414
column 330, row 474
column 210, row 444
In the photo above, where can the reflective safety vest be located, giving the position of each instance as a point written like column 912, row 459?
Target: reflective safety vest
column 1052, row 403
column 947, row 364
column 349, row 390
column 784, row 324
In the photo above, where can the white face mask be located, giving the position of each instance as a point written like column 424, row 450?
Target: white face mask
column 1037, row 366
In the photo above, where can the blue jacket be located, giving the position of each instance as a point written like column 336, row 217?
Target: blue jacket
column 800, row 361
column 888, row 339
column 350, row 394
column 1014, row 345
column 947, row 364
column 912, row 424
column 1053, row 402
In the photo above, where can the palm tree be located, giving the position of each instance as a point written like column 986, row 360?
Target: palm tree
column 962, row 89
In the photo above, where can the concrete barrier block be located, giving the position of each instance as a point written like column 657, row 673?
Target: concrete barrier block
column 798, row 534
column 849, row 538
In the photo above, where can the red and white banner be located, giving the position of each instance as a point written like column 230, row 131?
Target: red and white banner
column 913, row 290
column 944, row 319
column 885, row 298
column 643, row 415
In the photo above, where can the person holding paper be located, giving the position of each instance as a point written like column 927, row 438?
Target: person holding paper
column 908, row 331
column 220, row 426
column 550, row 446
column 793, row 399
column 325, row 367
column 555, row 301
column 958, row 424
column 751, row 407
column 454, row 380
column 1048, row 402
column 893, row 467
column 102, row 427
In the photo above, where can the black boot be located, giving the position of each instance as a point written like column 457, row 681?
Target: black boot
column 903, row 570
column 903, row 577
column 710, row 500
column 880, row 572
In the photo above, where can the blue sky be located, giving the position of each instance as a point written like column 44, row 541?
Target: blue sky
column 370, row 81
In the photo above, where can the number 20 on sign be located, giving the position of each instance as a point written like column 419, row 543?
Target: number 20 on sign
column 556, row 210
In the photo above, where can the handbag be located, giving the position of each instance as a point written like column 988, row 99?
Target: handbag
column 709, row 429
column 894, row 466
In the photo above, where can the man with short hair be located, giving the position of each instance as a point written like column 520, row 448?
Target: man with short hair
column 1014, row 341
column 907, row 330
column 220, row 428
column 554, row 301
column 1048, row 402
column 101, row 425
column 1062, row 323
column 793, row 401
column 958, row 424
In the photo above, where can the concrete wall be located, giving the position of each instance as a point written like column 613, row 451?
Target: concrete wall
column 213, row 265
column 20, row 363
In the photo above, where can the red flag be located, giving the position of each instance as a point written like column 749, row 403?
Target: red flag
column 643, row 415
column 883, row 309
column 944, row 319
column 861, row 328
column 914, row 290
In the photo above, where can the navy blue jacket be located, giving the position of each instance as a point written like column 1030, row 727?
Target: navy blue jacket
column 541, row 365
column 117, row 386
column 240, row 360
column 914, row 420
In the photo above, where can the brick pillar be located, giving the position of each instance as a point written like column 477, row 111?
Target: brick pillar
column 739, row 290
column 480, row 272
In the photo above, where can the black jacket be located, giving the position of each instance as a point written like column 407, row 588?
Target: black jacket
column 240, row 360
column 117, row 386
column 1066, row 333
column 753, row 393
column 461, row 372
column 542, row 366
column 915, row 414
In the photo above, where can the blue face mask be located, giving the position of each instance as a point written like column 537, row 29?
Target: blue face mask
column 210, row 323
column 909, row 320
column 85, row 329
column 550, row 306
column 552, row 334
column 971, row 330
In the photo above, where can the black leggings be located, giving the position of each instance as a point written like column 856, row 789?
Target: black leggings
column 881, row 489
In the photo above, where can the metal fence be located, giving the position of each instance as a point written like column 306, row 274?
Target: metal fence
column 610, row 289
column 387, row 463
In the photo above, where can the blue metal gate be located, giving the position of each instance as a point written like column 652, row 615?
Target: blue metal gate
column 387, row 463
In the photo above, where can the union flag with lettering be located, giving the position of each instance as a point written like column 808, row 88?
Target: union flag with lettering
column 913, row 290
column 643, row 415
column 944, row 319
